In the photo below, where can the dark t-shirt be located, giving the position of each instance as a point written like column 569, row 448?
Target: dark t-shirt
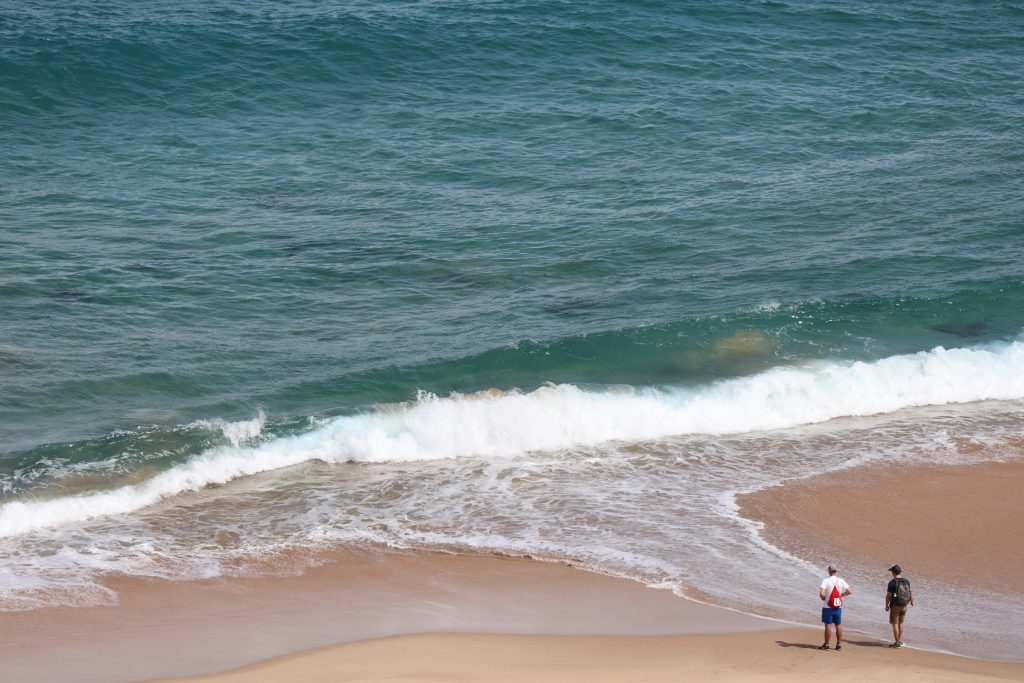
column 893, row 589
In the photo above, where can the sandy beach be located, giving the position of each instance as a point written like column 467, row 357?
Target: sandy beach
column 945, row 514
column 162, row 628
column 782, row 655
column 382, row 615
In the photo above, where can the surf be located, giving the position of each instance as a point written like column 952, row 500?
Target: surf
column 509, row 424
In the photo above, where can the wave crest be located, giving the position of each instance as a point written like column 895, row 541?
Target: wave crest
column 508, row 424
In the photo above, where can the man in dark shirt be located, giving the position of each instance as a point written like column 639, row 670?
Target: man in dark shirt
column 898, row 597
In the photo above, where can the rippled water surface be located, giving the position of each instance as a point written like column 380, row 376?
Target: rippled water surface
column 553, row 278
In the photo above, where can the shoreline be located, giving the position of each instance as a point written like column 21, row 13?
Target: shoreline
column 789, row 515
column 375, row 614
column 353, row 596
column 926, row 517
column 945, row 525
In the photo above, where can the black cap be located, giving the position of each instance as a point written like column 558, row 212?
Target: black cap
column 896, row 569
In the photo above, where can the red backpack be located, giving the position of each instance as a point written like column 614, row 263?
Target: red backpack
column 834, row 599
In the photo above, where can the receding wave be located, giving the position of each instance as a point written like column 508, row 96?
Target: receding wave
column 553, row 417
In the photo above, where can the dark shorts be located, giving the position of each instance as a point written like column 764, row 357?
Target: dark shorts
column 897, row 614
column 832, row 615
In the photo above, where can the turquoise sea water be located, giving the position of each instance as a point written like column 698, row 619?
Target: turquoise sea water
column 480, row 275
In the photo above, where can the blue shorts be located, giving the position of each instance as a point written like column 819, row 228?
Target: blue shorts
column 832, row 615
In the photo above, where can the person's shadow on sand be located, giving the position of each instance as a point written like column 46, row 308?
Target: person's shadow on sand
column 867, row 643
column 804, row 646
column 858, row 643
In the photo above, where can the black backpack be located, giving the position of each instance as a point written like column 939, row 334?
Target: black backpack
column 901, row 592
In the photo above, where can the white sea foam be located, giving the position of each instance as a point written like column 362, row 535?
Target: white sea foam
column 769, row 306
column 554, row 417
column 239, row 432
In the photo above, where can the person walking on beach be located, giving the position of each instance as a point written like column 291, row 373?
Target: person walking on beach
column 898, row 597
column 833, row 590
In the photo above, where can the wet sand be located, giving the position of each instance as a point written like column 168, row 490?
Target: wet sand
column 162, row 628
column 958, row 524
column 944, row 516
column 374, row 615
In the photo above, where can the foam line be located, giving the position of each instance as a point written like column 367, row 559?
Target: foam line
column 503, row 424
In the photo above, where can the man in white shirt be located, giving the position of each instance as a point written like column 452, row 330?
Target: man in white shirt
column 833, row 590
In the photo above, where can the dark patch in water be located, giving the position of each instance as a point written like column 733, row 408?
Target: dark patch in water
column 572, row 306
column 299, row 247
column 67, row 294
column 975, row 329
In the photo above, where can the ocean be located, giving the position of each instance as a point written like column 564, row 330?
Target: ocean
column 554, row 279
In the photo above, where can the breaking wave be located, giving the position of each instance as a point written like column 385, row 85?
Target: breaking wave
column 512, row 424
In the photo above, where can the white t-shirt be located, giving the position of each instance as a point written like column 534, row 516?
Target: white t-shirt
column 828, row 583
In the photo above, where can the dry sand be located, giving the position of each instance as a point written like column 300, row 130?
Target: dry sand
column 784, row 655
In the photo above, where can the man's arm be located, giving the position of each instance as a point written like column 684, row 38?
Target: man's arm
column 888, row 597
